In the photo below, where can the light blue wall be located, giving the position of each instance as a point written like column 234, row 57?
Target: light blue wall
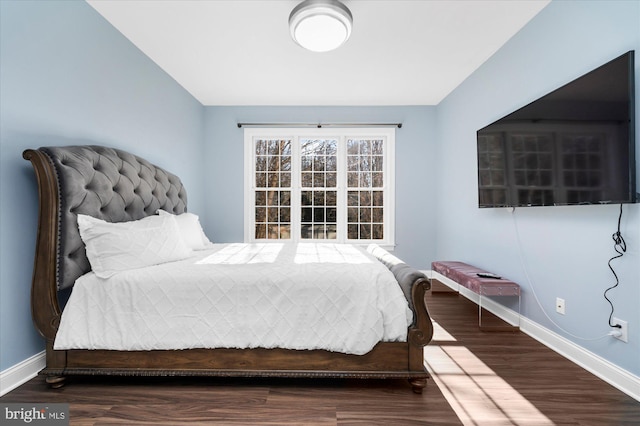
column 415, row 172
column 564, row 249
column 66, row 77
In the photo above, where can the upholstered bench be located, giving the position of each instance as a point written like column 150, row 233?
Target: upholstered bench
column 465, row 275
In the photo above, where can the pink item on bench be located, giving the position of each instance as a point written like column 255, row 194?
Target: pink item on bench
column 467, row 276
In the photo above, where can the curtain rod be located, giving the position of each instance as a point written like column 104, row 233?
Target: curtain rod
column 319, row 125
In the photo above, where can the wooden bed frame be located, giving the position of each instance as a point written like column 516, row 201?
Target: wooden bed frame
column 98, row 173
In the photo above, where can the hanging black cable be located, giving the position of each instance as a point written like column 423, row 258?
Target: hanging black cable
column 620, row 246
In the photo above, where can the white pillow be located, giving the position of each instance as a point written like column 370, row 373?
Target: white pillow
column 190, row 229
column 115, row 247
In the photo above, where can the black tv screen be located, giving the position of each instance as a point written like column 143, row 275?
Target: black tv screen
column 574, row 146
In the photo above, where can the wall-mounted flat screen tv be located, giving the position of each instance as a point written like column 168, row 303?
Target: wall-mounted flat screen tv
column 574, row 146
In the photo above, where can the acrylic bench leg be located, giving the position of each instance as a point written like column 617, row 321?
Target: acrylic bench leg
column 507, row 327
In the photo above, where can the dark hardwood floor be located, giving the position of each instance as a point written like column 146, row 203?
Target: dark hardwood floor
column 480, row 378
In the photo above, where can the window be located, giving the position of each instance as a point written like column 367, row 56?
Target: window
column 320, row 184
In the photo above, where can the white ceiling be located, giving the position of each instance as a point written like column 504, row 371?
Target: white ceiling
column 239, row 52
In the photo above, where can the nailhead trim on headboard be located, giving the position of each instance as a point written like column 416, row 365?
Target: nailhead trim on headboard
column 109, row 184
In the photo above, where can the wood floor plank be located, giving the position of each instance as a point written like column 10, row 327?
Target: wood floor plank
column 481, row 378
column 213, row 413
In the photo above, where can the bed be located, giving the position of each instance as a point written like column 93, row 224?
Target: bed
column 77, row 184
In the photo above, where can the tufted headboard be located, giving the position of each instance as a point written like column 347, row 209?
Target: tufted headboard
column 102, row 182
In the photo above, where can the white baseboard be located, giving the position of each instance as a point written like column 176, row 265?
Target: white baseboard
column 598, row 366
column 21, row 373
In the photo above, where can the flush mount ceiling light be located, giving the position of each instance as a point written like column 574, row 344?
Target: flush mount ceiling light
column 320, row 25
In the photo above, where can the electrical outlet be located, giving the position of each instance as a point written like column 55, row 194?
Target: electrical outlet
column 560, row 305
column 624, row 329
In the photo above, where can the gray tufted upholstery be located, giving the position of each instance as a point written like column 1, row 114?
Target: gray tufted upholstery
column 109, row 184
column 404, row 274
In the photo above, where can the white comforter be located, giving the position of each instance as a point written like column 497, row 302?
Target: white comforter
column 295, row 296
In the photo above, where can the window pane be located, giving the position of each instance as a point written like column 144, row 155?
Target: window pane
column 377, row 181
column 377, row 147
column 365, row 147
column 306, row 164
column 307, row 198
column 311, row 147
column 331, row 147
column 318, row 164
column 365, row 215
column 318, row 180
column 365, row 164
column 365, row 232
column 307, row 180
column 285, row 163
column 274, row 147
column 378, row 231
column 352, row 180
column 285, row 180
column 365, row 198
column 273, row 163
column 285, row 232
column 261, row 214
column 352, row 215
column 318, row 214
column 353, row 198
column 261, row 147
column 332, row 198
column 332, row 180
column 272, row 198
column 318, row 232
column 273, row 180
column 365, row 180
column 285, row 214
column 377, row 164
column 352, row 163
column 285, row 198
column 378, row 198
column 272, row 214
column 352, row 147
column 332, row 215
column 307, row 214
column 352, row 232
column 332, row 164
column 273, row 232
column 285, row 147
column 261, row 231
column 377, row 215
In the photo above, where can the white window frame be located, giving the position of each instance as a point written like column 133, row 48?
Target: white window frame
column 340, row 134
